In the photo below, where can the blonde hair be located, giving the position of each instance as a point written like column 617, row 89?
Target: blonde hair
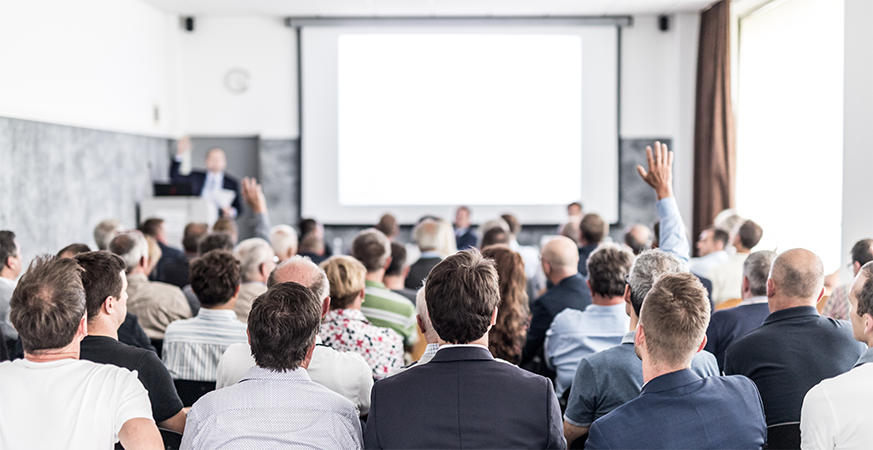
column 346, row 277
column 155, row 253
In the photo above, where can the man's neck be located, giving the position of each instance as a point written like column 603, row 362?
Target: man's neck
column 601, row 300
column 6, row 273
column 652, row 371
column 138, row 271
column 100, row 326
column 376, row 276
column 394, row 283
column 779, row 304
column 70, row 351
column 224, row 306
column 483, row 341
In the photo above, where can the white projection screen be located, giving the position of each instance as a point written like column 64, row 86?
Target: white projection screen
column 419, row 120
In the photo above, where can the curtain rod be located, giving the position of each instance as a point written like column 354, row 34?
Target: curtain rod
column 297, row 22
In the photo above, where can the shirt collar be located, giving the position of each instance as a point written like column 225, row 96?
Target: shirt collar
column 791, row 313
column 670, row 381
column 378, row 284
column 754, row 300
column 865, row 358
column 216, row 314
column 347, row 313
column 462, row 345
column 431, row 349
column 629, row 337
column 9, row 282
column 260, row 373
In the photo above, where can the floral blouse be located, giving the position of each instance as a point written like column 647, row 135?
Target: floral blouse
column 347, row 330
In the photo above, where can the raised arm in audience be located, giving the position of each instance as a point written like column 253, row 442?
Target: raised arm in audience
column 140, row 434
column 254, row 197
column 660, row 177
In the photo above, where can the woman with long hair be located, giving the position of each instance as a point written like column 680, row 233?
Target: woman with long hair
column 506, row 338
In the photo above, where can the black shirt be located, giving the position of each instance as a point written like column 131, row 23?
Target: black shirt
column 728, row 325
column 790, row 353
column 131, row 333
column 150, row 371
column 571, row 292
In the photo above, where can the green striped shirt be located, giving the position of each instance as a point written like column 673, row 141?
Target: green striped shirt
column 388, row 309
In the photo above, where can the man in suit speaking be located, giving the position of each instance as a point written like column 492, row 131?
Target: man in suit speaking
column 209, row 183
column 463, row 397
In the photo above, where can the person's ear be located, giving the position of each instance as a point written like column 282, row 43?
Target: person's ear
column 421, row 326
column 236, row 291
column 588, row 283
column 820, row 295
column 82, row 331
column 405, row 272
column 746, row 284
column 702, row 344
column 249, row 336
column 494, row 317
column 856, row 266
column 363, row 293
column 144, row 262
column 387, row 263
column 771, row 288
column 325, row 306
column 868, row 324
column 108, row 307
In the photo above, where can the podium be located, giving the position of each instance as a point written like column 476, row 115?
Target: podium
column 178, row 212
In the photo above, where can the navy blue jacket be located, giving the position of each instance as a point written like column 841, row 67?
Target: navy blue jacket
column 571, row 292
column 680, row 410
column 467, row 240
column 464, row 398
column 198, row 178
column 728, row 325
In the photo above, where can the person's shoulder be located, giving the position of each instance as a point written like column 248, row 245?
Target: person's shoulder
column 166, row 289
column 568, row 318
column 398, row 302
column 341, row 362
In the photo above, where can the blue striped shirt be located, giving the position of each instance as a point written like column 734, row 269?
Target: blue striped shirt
column 192, row 347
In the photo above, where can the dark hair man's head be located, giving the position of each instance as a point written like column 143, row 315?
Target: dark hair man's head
column 282, row 326
column 648, row 267
column 608, row 267
column 388, row 225
column 372, row 248
column 215, row 241
column 73, row 250
column 861, row 299
column 756, row 270
column 462, row 296
column 796, row 279
column 215, row 278
column 48, row 304
column 574, row 209
column 495, row 236
column 227, row 226
column 674, row 319
column 748, row 236
column 102, row 277
column 712, row 240
column 398, row 260
column 862, row 253
column 192, row 235
column 307, row 226
column 514, row 224
column 592, row 229
column 152, row 227
column 10, row 255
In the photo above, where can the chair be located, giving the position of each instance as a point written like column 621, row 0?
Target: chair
column 783, row 436
column 579, row 442
column 158, row 344
column 172, row 440
column 191, row 391
column 728, row 304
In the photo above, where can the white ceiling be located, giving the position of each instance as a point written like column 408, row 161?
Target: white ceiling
column 426, row 8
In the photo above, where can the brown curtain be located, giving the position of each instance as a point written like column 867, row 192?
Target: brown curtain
column 714, row 138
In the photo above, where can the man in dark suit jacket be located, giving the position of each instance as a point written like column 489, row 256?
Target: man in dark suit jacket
column 465, row 237
column 560, row 262
column 426, row 235
column 463, row 397
column 676, row 408
column 213, row 178
column 592, row 230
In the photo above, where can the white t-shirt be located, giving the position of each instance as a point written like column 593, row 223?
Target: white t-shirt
column 836, row 412
column 69, row 404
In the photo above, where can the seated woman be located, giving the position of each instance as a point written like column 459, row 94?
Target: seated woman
column 345, row 328
column 506, row 338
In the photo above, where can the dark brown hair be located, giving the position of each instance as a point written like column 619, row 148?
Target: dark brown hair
column 608, row 268
column 48, row 303
column 398, row 260
column 674, row 318
column 215, row 241
column 495, row 236
column 101, row 278
column 750, row 234
column 387, row 225
column 282, row 326
column 151, row 226
column 74, row 249
column 215, row 277
column 506, row 338
column 192, row 235
column 514, row 224
column 7, row 246
column 592, row 228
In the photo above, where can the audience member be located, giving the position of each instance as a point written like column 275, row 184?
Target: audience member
column 345, row 373
column 312, row 246
column 384, row 308
column 308, row 226
column 571, row 230
column 277, row 404
column 175, row 271
column 575, row 334
column 656, row 234
column 592, row 230
column 345, row 327
column 446, row 233
column 560, row 262
column 397, row 272
column 106, row 303
column 388, row 226
column 463, row 397
column 711, row 251
column 283, row 238
column 154, row 228
column 729, row 220
column 727, row 277
column 728, row 325
column 73, row 250
column 837, row 306
column 495, row 236
column 835, row 412
column 676, row 407
column 156, row 304
column 208, row 243
column 638, row 238
column 507, row 337
column 51, row 398
column 105, row 231
column 154, row 255
column 256, row 262
column 193, row 347
column 226, row 226
column 795, row 348
column 426, row 329
column 253, row 195
column 465, row 236
column 10, row 256
column 212, row 182
column 426, row 235
column 610, row 378
column 533, row 270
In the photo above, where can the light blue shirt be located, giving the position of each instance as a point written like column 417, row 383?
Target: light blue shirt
column 575, row 334
column 269, row 409
column 673, row 237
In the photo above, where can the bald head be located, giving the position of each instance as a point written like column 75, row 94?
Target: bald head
column 300, row 269
column 796, row 279
column 561, row 254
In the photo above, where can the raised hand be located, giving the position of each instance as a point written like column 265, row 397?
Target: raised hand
column 183, row 146
column 254, row 195
column 660, row 173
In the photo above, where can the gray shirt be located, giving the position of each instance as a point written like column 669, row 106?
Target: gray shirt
column 608, row 379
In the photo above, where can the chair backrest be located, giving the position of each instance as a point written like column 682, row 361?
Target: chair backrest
column 728, row 304
column 172, row 440
column 783, row 436
column 191, row 391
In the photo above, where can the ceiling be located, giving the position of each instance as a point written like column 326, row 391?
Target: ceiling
column 426, row 8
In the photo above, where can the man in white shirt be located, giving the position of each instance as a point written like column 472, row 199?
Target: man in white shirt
column 711, row 248
column 727, row 277
column 10, row 268
column 344, row 373
column 836, row 413
column 51, row 399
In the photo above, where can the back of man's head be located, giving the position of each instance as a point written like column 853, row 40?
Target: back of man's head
column 73, row 250
column 253, row 254
column 862, row 251
column 514, row 224
column 797, row 278
column 561, row 253
column 674, row 319
column 282, row 326
column 495, row 236
column 105, row 231
column 648, row 267
column 372, row 248
column 426, row 235
column 8, row 248
column 388, row 225
column 284, row 240
column 101, row 278
column 194, row 232
column 637, row 238
column 312, row 243
column 215, row 241
column 132, row 247
column 608, row 267
column 720, row 235
column 462, row 293
column 757, row 269
column 48, row 304
column 300, row 269
column 864, row 291
column 593, row 229
column 215, row 278
column 151, row 227
column 749, row 234
column 308, row 226
column 398, row 260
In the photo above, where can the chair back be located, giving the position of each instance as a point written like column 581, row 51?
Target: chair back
column 783, row 436
column 191, row 391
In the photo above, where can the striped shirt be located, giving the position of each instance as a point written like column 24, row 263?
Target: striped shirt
column 388, row 309
column 193, row 347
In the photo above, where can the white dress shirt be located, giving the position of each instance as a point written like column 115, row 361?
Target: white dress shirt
column 727, row 278
column 700, row 266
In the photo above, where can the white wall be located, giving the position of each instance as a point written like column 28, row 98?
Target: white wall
column 262, row 46
column 91, row 63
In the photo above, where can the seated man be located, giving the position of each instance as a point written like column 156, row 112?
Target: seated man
column 51, row 399
column 277, row 404
column 463, row 397
column 427, row 236
column 676, row 408
column 256, row 262
column 575, row 334
column 836, row 412
column 397, row 271
column 727, row 276
column 106, row 300
column 711, row 248
column 193, row 347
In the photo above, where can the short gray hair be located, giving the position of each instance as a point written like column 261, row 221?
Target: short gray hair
column 283, row 238
column 131, row 246
column 427, row 235
column 105, row 231
column 302, row 270
column 649, row 266
column 251, row 253
column 757, row 270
